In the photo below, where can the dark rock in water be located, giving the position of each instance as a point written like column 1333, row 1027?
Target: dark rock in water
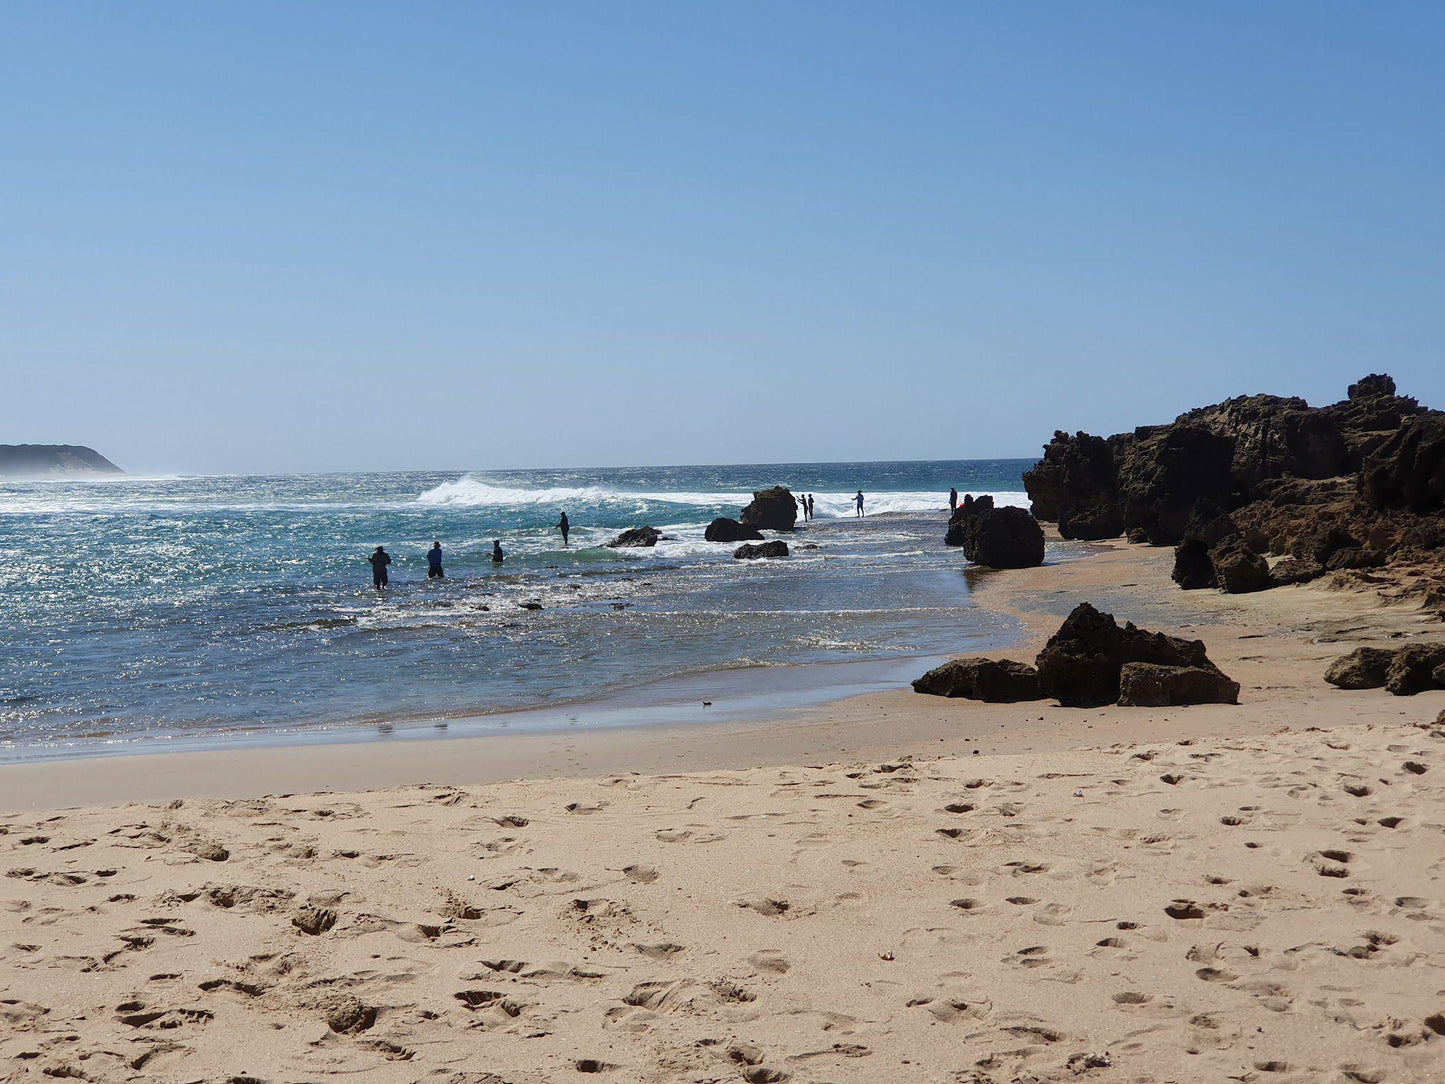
column 1150, row 685
column 1076, row 485
column 1238, row 569
column 1408, row 469
column 1369, row 386
column 1081, row 664
column 1412, row 670
column 635, row 537
column 723, row 529
column 748, row 552
column 773, row 509
column 1362, row 668
column 48, row 460
column 1295, row 570
column 997, row 537
column 995, row 681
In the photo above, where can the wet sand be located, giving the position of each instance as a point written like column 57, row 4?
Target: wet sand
column 893, row 887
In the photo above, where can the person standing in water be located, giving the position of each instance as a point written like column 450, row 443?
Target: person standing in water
column 858, row 500
column 564, row 527
column 434, row 562
column 497, row 555
column 810, row 506
column 803, row 505
column 952, row 500
column 379, row 560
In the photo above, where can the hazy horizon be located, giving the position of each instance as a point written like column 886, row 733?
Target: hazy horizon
column 338, row 238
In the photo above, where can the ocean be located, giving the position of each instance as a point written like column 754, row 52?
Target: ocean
column 139, row 614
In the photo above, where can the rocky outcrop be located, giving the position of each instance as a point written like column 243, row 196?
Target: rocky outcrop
column 994, row 681
column 723, row 529
column 773, row 509
column 1082, row 663
column 50, row 460
column 996, row 537
column 1076, row 485
column 1403, row 671
column 1167, row 471
column 1150, row 685
column 1372, row 386
column 1408, row 469
column 636, row 537
column 751, row 552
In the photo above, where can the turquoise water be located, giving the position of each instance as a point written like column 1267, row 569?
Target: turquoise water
column 137, row 611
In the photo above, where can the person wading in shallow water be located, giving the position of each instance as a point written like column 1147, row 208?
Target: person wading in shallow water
column 952, row 501
column 564, row 527
column 379, row 560
column 810, row 506
column 497, row 555
column 858, row 500
column 434, row 562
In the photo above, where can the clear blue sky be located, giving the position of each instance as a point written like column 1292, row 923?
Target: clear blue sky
column 263, row 236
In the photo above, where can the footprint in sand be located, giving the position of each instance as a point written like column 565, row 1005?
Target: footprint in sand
column 770, row 960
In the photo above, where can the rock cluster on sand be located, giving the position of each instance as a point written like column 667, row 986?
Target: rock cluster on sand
column 1091, row 662
column 772, row 510
column 1403, row 671
column 1355, row 485
column 750, row 552
column 636, row 537
column 996, row 537
column 723, row 529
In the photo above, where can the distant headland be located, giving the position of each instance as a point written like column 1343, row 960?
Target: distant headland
column 52, row 460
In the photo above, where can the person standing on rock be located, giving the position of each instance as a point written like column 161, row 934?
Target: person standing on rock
column 564, row 527
column 952, row 501
column 379, row 560
column 858, row 500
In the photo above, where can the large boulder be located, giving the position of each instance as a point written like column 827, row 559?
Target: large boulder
column 723, row 529
column 1076, row 485
column 1237, row 568
column 1081, row 664
column 1294, row 570
column 1362, row 668
column 997, row 537
column 995, row 681
column 1412, row 670
column 635, row 537
column 1166, row 471
column 1367, row 387
column 1151, row 685
column 773, row 509
column 750, row 552
column 1408, row 469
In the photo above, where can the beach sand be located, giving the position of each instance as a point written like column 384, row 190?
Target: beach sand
column 894, row 887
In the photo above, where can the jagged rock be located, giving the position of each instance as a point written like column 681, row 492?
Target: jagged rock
column 1150, row 685
column 1193, row 570
column 635, row 537
column 1076, row 485
column 1408, row 469
column 1167, row 471
column 723, row 529
column 997, row 537
column 1295, row 570
column 1369, row 386
column 749, row 552
column 1412, row 670
column 1354, row 557
column 773, row 509
column 995, row 681
column 1081, row 663
column 1362, row 668
column 1237, row 568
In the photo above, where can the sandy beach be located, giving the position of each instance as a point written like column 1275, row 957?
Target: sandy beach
column 893, row 887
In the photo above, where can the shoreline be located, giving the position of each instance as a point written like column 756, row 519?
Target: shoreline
column 1270, row 642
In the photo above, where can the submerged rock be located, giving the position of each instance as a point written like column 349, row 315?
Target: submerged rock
column 636, row 537
column 995, row 681
column 750, row 552
column 774, row 509
column 723, row 529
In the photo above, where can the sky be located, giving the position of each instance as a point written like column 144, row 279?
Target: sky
column 256, row 237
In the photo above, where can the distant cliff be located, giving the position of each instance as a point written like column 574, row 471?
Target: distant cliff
column 50, row 460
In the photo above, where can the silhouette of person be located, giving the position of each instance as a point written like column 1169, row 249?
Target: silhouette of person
column 802, row 504
column 810, row 506
column 434, row 562
column 564, row 527
column 497, row 555
column 379, row 560
column 858, row 500
column 952, row 500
